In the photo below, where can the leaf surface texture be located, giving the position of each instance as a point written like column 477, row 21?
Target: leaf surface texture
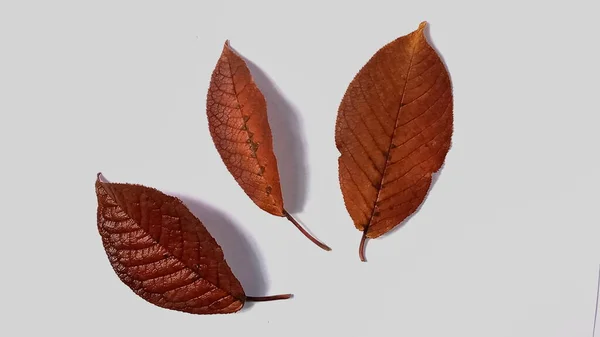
column 238, row 124
column 393, row 131
column 163, row 252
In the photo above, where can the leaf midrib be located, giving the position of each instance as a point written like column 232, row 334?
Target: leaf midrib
column 389, row 151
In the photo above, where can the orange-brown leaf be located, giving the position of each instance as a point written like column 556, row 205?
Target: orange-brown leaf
column 393, row 131
column 238, row 124
column 163, row 252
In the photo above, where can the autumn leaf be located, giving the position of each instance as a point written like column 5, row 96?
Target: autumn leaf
column 239, row 126
column 160, row 250
column 393, row 131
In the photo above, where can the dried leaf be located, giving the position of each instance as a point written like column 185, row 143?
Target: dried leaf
column 160, row 250
column 239, row 126
column 393, row 131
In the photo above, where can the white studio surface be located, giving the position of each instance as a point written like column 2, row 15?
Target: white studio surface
column 506, row 244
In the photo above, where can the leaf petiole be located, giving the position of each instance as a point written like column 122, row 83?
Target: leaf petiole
column 310, row 237
column 268, row 298
column 361, row 248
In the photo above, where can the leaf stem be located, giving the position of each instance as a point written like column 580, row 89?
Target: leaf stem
column 310, row 237
column 268, row 298
column 361, row 248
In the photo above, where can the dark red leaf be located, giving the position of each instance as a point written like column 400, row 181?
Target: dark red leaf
column 160, row 250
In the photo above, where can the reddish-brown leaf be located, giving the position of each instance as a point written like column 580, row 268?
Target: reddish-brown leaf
column 163, row 253
column 393, row 131
column 239, row 126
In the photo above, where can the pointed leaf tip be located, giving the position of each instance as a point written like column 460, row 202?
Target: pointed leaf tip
column 100, row 177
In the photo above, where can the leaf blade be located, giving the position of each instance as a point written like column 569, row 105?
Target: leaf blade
column 393, row 131
column 238, row 124
column 171, row 260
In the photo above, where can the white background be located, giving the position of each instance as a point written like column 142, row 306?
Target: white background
column 506, row 244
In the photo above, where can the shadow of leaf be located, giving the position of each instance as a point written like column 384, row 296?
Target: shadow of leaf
column 239, row 251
